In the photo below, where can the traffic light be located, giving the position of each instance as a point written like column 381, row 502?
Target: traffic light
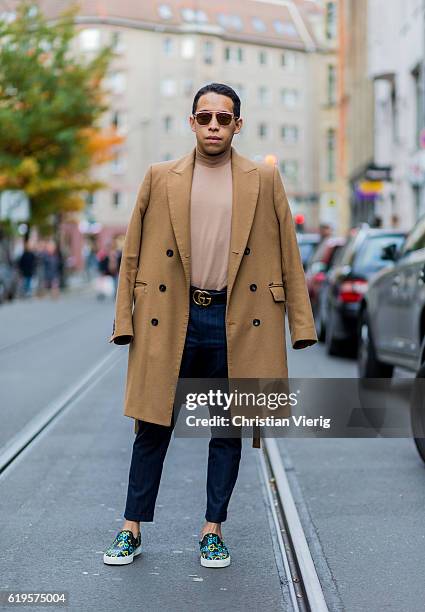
column 299, row 222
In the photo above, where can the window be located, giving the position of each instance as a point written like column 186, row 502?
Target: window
column 90, row 39
column 117, row 163
column 117, row 120
column 188, row 14
column 331, row 20
column 330, row 155
column 285, row 29
column 420, row 102
column 262, row 57
column 258, row 24
column 369, row 255
column 279, row 26
column 168, row 123
column 165, row 11
column 331, row 84
column 262, row 130
column 188, row 48
column 264, row 96
column 168, row 88
column 290, row 97
column 208, row 52
column 118, row 82
column 117, row 199
column 289, row 169
column 231, row 22
column 201, row 17
column 289, row 134
column 117, row 41
column 288, row 60
column 233, row 54
column 90, row 199
column 168, row 46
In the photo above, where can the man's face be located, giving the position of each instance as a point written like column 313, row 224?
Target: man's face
column 214, row 138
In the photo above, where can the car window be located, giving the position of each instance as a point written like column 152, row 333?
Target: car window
column 370, row 253
column 306, row 249
column 416, row 238
column 347, row 252
column 335, row 253
column 318, row 254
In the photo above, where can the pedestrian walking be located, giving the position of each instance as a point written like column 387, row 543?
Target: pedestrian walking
column 210, row 263
column 51, row 265
column 27, row 265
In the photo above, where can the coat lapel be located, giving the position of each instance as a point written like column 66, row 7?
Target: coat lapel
column 246, row 182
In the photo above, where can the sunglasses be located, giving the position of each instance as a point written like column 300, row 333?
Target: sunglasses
column 204, row 117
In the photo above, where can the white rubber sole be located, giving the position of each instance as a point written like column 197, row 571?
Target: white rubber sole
column 122, row 560
column 215, row 563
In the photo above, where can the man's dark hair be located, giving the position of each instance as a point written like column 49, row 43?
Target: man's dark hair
column 223, row 90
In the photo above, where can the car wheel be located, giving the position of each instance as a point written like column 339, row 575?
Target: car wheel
column 368, row 365
column 417, row 414
column 332, row 345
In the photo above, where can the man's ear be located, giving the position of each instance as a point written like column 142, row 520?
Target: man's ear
column 239, row 124
column 192, row 123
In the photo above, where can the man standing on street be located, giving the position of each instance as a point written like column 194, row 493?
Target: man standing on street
column 209, row 266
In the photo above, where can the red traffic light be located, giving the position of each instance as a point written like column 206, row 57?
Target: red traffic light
column 299, row 219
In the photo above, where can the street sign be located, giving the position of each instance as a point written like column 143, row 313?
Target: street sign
column 14, row 205
column 378, row 173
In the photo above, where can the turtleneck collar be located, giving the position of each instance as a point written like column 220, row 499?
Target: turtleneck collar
column 212, row 160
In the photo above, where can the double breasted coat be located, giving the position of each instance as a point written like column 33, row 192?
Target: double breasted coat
column 265, row 281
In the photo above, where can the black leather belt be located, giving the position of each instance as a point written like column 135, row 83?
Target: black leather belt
column 204, row 297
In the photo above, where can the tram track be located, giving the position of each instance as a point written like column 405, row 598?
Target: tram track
column 304, row 586
column 29, row 434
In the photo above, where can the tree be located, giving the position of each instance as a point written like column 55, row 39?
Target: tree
column 51, row 102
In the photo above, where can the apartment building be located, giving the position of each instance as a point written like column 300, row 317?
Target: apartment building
column 397, row 68
column 279, row 55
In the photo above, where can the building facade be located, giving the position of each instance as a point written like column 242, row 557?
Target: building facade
column 397, row 68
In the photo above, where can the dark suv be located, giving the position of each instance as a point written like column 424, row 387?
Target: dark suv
column 360, row 258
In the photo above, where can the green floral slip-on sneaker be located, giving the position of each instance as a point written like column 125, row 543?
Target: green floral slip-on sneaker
column 214, row 552
column 123, row 549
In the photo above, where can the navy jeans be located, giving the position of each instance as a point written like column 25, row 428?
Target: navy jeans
column 204, row 356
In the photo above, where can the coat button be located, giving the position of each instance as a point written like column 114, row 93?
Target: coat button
column 170, row 252
column 247, row 251
column 253, row 287
column 154, row 321
column 256, row 322
column 162, row 287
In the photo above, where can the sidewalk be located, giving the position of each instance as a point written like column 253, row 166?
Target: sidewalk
column 62, row 502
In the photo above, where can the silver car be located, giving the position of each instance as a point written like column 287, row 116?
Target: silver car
column 391, row 328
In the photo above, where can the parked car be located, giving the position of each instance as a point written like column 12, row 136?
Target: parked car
column 360, row 258
column 316, row 274
column 8, row 276
column 307, row 244
column 391, row 329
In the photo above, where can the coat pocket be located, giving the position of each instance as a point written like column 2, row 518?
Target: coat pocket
column 278, row 292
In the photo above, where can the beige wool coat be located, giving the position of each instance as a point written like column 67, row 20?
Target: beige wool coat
column 156, row 251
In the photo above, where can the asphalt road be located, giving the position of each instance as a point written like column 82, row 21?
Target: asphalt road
column 360, row 501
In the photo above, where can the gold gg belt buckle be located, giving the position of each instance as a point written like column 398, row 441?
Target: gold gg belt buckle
column 201, row 298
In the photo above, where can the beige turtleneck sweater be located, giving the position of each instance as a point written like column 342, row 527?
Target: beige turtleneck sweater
column 210, row 219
